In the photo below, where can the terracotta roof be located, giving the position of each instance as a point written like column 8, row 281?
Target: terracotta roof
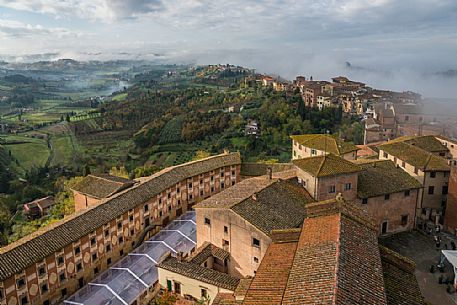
column 328, row 165
column 102, row 186
column 335, row 261
column 399, row 279
column 382, row 177
column 197, row 272
column 329, row 143
column 415, row 156
column 225, row 298
column 35, row 247
column 407, row 109
column 43, row 202
column 269, row 284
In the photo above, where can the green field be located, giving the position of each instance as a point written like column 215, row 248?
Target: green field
column 120, row 97
column 28, row 152
column 63, row 150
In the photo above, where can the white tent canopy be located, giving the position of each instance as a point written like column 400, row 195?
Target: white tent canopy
column 451, row 256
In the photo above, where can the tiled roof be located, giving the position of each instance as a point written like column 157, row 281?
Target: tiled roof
column 407, row 109
column 415, row 156
column 208, row 250
column 197, row 272
column 224, row 298
column 282, row 205
column 102, row 186
column 399, row 279
column 35, row 247
column 428, row 143
column 43, row 202
column 236, row 193
column 329, row 143
column 269, row 284
column 383, row 177
column 328, row 165
column 260, row 169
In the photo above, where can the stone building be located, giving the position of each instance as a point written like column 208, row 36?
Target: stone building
column 333, row 258
column 310, row 145
column 450, row 219
column 93, row 188
column 52, row 263
column 430, row 170
column 200, row 277
column 325, row 176
column 240, row 219
column 388, row 194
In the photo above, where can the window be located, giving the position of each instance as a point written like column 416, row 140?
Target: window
column 177, row 288
column 255, row 242
column 77, row 250
column 404, row 220
column 347, row 186
column 256, row 260
column 233, row 173
column 212, row 189
column 94, row 256
column 119, row 225
column 313, row 152
column 207, row 221
column 332, row 189
column 222, row 185
column 386, row 196
column 62, row 277
column 20, row 283
column 2, row 294
column 233, row 183
column 386, row 155
column 190, row 185
column 201, row 181
column 108, row 248
column 403, row 164
column 132, row 232
column 41, row 271
column 225, row 242
column 147, row 221
column 169, row 285
column 190, row 196
column 384, row 226
column 24, row 300
column 364, row 200
column 442, row 154
column 445, row 190
column 225, row 229
column 204, row 293
column 106, row 232
column 212, row 178
column 178, row 190
column 169, row 195
column 407, row 193
column 222, row 174
column 131, row 218
column 79, row 267
column 95, row 270
column 64, row 292
column 121, row 252
column 416, row 170
column 431, row 190
column 406, row 118
column 46, row 302
column 60, row 260
column 92, row 241
column 108, row 261
column 169, row 208
column 201, row 192
column 432, row 174
column 44, row 288
column 121, row 239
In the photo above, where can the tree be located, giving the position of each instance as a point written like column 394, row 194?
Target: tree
column 167, row 298
column 201, row 154
column 67, row 118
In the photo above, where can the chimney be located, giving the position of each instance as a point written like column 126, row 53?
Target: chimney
column 270, row 172
column 254, row 196
column 179, row 256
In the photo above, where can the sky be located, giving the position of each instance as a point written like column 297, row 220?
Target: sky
column 396, row 44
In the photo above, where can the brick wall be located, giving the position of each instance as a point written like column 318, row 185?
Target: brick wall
column 450, row 219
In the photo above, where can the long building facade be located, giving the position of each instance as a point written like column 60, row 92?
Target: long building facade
column 52, row 263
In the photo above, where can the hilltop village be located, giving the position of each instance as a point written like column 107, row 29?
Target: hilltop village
column 222, row 231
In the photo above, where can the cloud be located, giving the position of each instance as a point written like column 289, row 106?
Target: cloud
column 16, row 29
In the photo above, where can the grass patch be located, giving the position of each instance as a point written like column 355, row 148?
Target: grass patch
column 120, row 97
column 30, row 154
column 63, row 150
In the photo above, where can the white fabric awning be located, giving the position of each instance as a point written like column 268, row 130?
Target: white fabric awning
column 451, row 256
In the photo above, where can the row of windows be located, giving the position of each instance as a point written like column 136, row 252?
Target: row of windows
column 255, row 241
column 332, row 188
